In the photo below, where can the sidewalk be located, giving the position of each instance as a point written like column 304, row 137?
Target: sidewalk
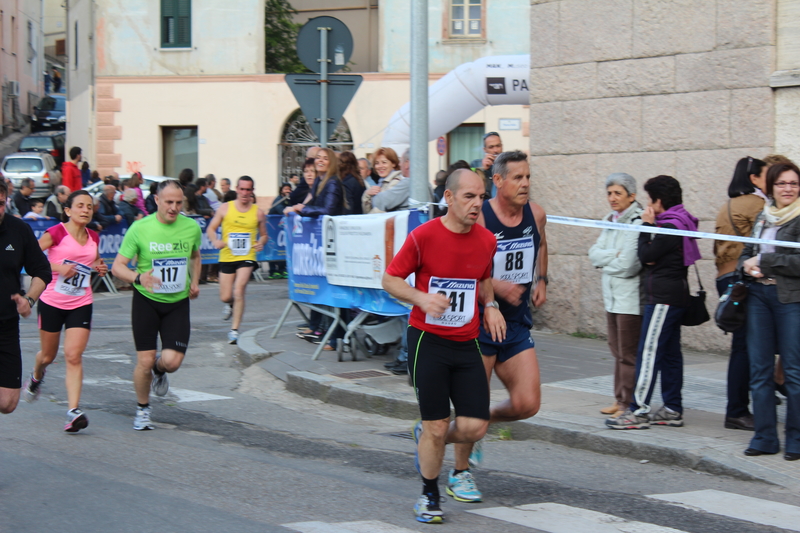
column 577, row 383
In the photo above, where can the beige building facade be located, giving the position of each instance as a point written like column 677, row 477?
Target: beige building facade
column 138, row 102
column 648, row 87
column 21, row 60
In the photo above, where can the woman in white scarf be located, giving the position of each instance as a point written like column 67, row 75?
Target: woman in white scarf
column 773, row 313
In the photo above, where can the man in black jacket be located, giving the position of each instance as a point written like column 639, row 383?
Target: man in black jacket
column 666, row 259
column 108, row 213
column 23, row 195
column 19, row 250
column 54, row 205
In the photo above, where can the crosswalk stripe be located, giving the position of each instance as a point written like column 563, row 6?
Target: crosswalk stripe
column 557, row 518
column 184, row 395
column 736, row 506
column 367, row 526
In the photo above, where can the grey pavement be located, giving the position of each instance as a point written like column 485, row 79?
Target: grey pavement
column 577, row 383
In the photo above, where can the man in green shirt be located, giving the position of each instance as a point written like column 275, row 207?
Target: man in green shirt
column 166, row 246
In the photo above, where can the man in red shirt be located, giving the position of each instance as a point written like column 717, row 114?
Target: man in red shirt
column 70, row 172
column 451, row 258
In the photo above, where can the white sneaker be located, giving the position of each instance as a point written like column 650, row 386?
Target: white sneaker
column 160, row 384
column 227, row 312
column 141, row 421
column 233, row 336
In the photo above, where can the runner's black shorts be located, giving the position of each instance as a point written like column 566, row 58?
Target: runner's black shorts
column 233, row 266
column 52, row 319
column 444, row 370
column 151, row 319
column 10, row 354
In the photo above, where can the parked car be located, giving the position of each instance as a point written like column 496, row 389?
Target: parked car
column 96, row 189
column 37, row 165
column 51, row 142
column 50, row 113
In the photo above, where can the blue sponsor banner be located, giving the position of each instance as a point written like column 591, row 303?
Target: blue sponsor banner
column 110, row 238
column 306, row 266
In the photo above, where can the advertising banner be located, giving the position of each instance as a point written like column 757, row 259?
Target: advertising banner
column 358, row 247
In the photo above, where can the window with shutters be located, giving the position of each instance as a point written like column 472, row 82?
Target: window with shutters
column 176, row 23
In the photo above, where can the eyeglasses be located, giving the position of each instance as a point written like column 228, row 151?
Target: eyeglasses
column 790, row 184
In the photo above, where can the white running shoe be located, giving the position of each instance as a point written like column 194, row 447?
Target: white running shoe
column 227, row 312
column 160, row 384
column 76, row 421
column 141, row 421
column 32, row 389
column 233, row 336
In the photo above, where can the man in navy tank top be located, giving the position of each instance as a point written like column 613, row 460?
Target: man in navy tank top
column 519, row 280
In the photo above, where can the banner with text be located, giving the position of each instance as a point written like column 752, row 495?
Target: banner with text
column 359, row 247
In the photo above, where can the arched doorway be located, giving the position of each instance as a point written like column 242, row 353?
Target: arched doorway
column 298, row 136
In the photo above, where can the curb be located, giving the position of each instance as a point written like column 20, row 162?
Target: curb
column 541, row 428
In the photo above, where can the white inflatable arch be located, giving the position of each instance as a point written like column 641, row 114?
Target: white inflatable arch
column 497, row 80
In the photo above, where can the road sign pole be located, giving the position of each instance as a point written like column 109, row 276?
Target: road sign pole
column 323, row 90
column 419, row 101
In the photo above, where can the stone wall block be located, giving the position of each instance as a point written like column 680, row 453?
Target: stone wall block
column 634, row 77
column 109, row 104
column 723, row 69
column 105, row 147
column 566, row 185
column 109, row 133
column 605, row 125
column 545, row 128
column 752, row 117
column 544, row 34
column 570, row 82
column 664, row 27
column 705, row 175
column 569, row 240
column 582, row 38
column 561, row 311
column 641, row 165
column 745, row 23
column 105, row 118
column 689, row 121
column 787, row 122
column 105, row 91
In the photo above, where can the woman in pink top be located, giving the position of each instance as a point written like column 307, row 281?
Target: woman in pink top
column 135, row 181
column 67, row 302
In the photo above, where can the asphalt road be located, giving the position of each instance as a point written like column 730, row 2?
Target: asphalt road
column 233, row 451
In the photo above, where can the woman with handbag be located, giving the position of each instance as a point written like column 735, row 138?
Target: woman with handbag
column 615, row 252
column 666, row 259
column 737, row 217
column 773, row 313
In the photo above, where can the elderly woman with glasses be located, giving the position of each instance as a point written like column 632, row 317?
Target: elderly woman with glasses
column 773, row 312
column 616, row 254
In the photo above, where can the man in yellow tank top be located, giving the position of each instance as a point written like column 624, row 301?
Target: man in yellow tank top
column 242, row 221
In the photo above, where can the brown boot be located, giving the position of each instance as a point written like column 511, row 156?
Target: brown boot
column 611, row 409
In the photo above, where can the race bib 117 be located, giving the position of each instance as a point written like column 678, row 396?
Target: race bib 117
column 172, row 273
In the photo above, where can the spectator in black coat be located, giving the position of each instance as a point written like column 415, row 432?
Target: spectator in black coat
column 150, row 201
column 107, row 213
column 352, row 182
column 22, row 196
column 303, row 188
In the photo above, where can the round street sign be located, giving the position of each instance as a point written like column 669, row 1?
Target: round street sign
column 340, row 43
column 441, row 145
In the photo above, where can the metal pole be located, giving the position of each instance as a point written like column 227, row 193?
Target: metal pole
column 419, row 101
column 323, row 90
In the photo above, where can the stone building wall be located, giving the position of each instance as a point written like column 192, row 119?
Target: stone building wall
column 648, row 87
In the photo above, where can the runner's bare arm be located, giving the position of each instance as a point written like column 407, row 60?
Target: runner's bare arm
column 45, row 242
column 211, row 230
column 262, row 232
column 540, row 286
column 430, row 304
column 197, row 264
column 493, row 320
column 100, row 266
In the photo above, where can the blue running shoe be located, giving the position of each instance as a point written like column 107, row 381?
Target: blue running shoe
column 427, row 509
column 476, row 456
column 462, row 487
column 417, row 433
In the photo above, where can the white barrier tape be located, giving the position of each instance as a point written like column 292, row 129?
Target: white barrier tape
column 603, row 224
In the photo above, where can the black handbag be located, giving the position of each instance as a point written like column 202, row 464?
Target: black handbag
column 732, row 309
column 696, row 312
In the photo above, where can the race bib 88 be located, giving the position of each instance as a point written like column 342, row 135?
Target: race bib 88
column 461, row 293
column 172, row 273
column 513, row 260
